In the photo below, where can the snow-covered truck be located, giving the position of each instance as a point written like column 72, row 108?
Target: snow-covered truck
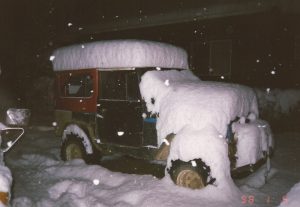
column 139, row 98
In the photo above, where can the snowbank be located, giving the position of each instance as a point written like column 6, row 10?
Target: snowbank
column 181, row 99
column 77, row 184
column 119, row 54
column 292, row 199
column 277, row 101
column 5, row 175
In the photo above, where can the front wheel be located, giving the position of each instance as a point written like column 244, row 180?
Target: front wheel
column 72, row 148
column 194, row 174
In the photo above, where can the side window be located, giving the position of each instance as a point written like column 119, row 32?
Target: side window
column 113, row 85
column 78, row 86
column 133, row 91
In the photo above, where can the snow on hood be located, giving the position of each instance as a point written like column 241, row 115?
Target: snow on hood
column 119, row 54
column 181, row 99
column 155, row 85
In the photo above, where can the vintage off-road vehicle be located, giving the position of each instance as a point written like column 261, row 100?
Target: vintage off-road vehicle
column 102, row 106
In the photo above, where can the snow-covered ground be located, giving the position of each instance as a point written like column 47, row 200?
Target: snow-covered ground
column 42, row 179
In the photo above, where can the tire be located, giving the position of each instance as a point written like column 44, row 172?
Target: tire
column 186, row 175
column 72, row 148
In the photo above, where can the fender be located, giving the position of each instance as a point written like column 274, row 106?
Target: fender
column 164, row 149
column 75, row 129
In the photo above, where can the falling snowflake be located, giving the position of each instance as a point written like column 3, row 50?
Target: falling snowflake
column 96, row 181
column 194, row 164
column 222, row 77
column 70, row 24
column 52, row 57
column 54, row 124
column 82, row 46
column 158, row 68
column 80, row 28
column 167, row 82
column 268, row 90
column 273, row 72
column 120, row 133
column 258, row 60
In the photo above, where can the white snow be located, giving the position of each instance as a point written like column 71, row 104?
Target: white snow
column 278, row 101
column 42, row 180
column 292, row 199
column 205, row 144
column 5, row 174
column 187, row 101
column 76, row 130
column 253, row 139
column 18, row 117
column 119, row 54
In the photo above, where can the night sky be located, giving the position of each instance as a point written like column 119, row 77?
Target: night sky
column 31, row 29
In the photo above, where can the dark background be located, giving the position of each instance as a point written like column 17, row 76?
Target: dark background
column 263, row 38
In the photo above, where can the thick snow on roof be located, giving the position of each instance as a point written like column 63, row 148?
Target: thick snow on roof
column 185, row 101
column 119, row 54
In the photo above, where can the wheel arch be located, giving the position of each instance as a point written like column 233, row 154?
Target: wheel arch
column 83, row 133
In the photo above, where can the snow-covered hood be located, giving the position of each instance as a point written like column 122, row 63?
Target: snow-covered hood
column 181, row 99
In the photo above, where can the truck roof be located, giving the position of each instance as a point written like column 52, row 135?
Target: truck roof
column 119, row 54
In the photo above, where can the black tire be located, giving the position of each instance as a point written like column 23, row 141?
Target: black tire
column 186, row 175
column 72, row 148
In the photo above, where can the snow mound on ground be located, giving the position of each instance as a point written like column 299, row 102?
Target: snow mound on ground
column 5, row 174
column 188, row 101
column 292, row 199
column 74, row 184
column 119, row 54
column 5, row 179
column 278, row 101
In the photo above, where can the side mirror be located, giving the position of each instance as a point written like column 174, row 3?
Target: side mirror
column 8, row 137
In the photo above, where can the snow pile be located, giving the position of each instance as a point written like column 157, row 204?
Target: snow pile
column 187, row 101
column 212, row 148
column 292, row 199
column 253, row 139
column 5, row 178
column 119, row 54
column 277, row 102
column 77, row 184
column 5, row 175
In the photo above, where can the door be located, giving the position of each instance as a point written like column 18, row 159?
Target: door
column 119, row 108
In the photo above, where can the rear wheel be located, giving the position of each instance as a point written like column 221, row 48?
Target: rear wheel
column 72, row 148
column 193, row 174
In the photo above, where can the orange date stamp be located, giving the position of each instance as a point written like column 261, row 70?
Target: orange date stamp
column 250, row 199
